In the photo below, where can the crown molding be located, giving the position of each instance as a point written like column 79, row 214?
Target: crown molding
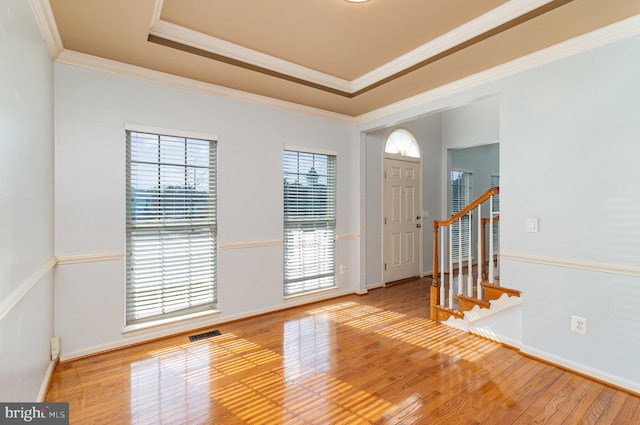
column 188, row 37
column 600, row 37
column 83, row 60
column 597, row 38
column 480, row 25
column 48, row 27
column 490, row 20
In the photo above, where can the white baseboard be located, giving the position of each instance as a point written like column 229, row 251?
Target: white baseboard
column 46, row 381
column 141, row 336
column 599, row 375
column 375, row 285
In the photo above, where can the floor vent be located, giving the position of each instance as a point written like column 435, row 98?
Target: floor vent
column 209, row 334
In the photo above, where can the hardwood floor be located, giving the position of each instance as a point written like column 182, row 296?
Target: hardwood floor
column 370, row 359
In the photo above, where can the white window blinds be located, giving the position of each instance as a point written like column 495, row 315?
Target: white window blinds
column 171, row 226
column 309, row 222
column 461, row 196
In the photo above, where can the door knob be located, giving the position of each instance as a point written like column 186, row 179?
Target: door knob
column 418, row 225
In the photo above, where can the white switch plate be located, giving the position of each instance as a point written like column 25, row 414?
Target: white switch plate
column 532, row 225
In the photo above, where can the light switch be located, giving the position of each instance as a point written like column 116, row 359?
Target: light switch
column 532, row 225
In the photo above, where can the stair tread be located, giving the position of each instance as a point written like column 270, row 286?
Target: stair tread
column 467, row 303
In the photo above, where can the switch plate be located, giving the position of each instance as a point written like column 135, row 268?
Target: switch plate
column 532, row 225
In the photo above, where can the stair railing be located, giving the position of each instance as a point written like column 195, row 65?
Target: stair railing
column 440, row 296
column 484, row 259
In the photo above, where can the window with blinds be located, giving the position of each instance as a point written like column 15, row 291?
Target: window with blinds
column 309, row 222
column 461, row 196
column 495, row 182
column 171, row 226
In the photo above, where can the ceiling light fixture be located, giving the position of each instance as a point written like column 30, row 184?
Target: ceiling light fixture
column 356, row 1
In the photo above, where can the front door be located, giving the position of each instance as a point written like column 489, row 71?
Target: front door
column 402, row 236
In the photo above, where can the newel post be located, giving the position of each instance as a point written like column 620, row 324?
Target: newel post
column 435, row 285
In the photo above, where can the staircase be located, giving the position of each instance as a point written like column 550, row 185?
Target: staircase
column 470, row 290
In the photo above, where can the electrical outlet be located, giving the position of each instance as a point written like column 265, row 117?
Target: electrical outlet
column 343, row 269
column 579, row 325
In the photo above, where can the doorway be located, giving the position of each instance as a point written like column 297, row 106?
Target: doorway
column 402, row 234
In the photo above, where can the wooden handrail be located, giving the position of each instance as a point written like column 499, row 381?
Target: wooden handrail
column 435, row 283
column 487, row 219
column 480, row 199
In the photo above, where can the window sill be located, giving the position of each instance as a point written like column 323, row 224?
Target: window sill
column 173, row 323
column 317, row 291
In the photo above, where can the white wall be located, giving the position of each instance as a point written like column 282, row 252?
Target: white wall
column 26, row 203
column 92, row 109
column 570, row 145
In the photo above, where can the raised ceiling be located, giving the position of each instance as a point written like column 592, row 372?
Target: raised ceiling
column 333, row 55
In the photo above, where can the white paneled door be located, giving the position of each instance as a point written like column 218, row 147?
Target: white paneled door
column 402, row 222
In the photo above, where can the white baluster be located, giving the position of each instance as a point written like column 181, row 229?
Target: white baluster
column 442, row 293
column 479, row 281
column 470, row 264
column 490, row 265
column 498, row 248
column 451, row 266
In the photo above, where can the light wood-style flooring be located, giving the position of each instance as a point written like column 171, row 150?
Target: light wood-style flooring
column 351, row 360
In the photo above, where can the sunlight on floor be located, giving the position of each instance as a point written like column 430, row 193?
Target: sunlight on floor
column 295, row 385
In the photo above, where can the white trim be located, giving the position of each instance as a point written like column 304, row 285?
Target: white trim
column 168, row 323
column 242, row 245
column 189, row 37
column 375, row 285
column 490, row 335
column 46, row 381
column 348, row 236
column 187, row 134
column 582, row 43
column 23, row 289
column 486, row 22
column 594, row 266
column 307, row 149
column 288, row 298
column 83, row 60
column 586, row 370
column 143, row 336
column 157, row 12
column 504, row 303
column 398, row 157
column 490, row 20
column 89, row 257
column 48, row 27
column 599, row 37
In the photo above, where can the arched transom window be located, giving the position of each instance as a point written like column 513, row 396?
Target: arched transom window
column 402, row 142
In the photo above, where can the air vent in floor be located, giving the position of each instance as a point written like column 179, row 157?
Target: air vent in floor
column 204, row 335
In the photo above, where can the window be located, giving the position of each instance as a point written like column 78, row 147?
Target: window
column 401, row 142
column 171, row 226
column 461, row 196
column 309, row 222
column 495, row 182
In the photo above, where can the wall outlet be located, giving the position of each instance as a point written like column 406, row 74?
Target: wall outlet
column 579, row 325
column 343, row 269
